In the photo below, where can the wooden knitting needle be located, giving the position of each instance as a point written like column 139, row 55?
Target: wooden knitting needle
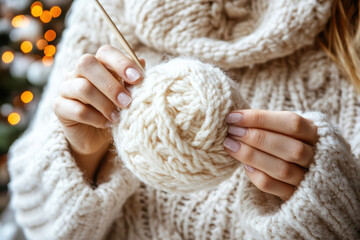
column 118, row 35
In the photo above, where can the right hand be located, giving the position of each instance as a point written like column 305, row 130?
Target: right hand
column 90, row 100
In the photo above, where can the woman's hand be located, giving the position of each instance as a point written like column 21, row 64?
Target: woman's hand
column 90, row 100
column 276, row 148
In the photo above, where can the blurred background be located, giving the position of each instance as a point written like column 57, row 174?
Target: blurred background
column 29, row 33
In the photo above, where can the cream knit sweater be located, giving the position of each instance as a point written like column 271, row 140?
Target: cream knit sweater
column 266, row 46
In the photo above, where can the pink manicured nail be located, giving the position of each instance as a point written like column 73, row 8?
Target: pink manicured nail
column 249, row 168
column 232, row 145
column 115, row 116
column 234, row 117
column 132, row 74
column 124, row 99
column 237, row 131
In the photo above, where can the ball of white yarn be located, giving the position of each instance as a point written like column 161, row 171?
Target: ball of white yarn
column 171, row 137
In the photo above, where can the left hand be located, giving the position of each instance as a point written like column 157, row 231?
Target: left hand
column 275, row 146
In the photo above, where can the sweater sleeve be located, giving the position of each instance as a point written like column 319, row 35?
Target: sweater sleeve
column 326, row 205
column 50, row 196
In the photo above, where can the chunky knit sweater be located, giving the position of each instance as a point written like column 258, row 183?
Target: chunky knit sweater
column 269, row 48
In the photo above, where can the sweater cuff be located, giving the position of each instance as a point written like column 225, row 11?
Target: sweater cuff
column 49, row 190
column 327, row 202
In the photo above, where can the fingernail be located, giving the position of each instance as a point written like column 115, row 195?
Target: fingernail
column 132, row 74
column 124, row 99
column 234, row 117
column 115, row 116
column 249, row 168
column 237, row 131
column 232, row 145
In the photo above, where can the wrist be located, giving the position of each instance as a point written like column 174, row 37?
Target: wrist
column 89, row 163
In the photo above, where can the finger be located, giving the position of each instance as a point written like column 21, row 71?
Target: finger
column 142, row 61
column 114, row 60
column 70, row 75
column 276, row 168
column 269, row 185
column 284, row 122
column 127, row 85
column 72, row 112
column 84, row 91
column 287, row 148
column 90, row 68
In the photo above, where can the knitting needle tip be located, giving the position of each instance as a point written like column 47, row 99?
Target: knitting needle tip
column 118, row 35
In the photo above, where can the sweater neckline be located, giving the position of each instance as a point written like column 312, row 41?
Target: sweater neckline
column 230, row 34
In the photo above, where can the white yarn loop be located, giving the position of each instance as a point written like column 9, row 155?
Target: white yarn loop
column 172, row 135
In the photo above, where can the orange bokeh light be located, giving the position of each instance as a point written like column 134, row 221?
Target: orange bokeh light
column 27, row 97
column 7, row 57
column 14, row 118
column 36, row 11
column 47, row 61
column 50, row 50
column 55, row 11
column 37, row 3
column 41, row 44
column 20, row 21
column 45, row 16
column 50, row 35
column 26, row 46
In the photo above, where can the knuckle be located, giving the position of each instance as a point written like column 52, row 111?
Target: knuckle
column 258, row 136
column 85, row 62
column 263, row 182
column 104, row 49
column 299, row 151
column 284, row 172
column 296, row 122
column 248, row 155
column 258, row 118
column 112, row 88
column 80, row 112
column 84, row 87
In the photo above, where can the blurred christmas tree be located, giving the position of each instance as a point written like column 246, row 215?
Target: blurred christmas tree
column 29, row 32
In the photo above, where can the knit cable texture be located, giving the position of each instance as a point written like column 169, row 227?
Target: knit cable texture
column 227, row 33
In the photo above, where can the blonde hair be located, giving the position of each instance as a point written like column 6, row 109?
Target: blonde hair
column 341, row 38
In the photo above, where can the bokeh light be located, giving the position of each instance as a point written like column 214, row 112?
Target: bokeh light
column 37, row 3
column 14, row 118
column 45, row 16
column 41, row 44
column 20, row 21
column 26, row 46
column 55, row 11
column 27, row 97
column 36, row 11
column 50, row 50
column 50, row 35
column 7, row 57
column 48, row 61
